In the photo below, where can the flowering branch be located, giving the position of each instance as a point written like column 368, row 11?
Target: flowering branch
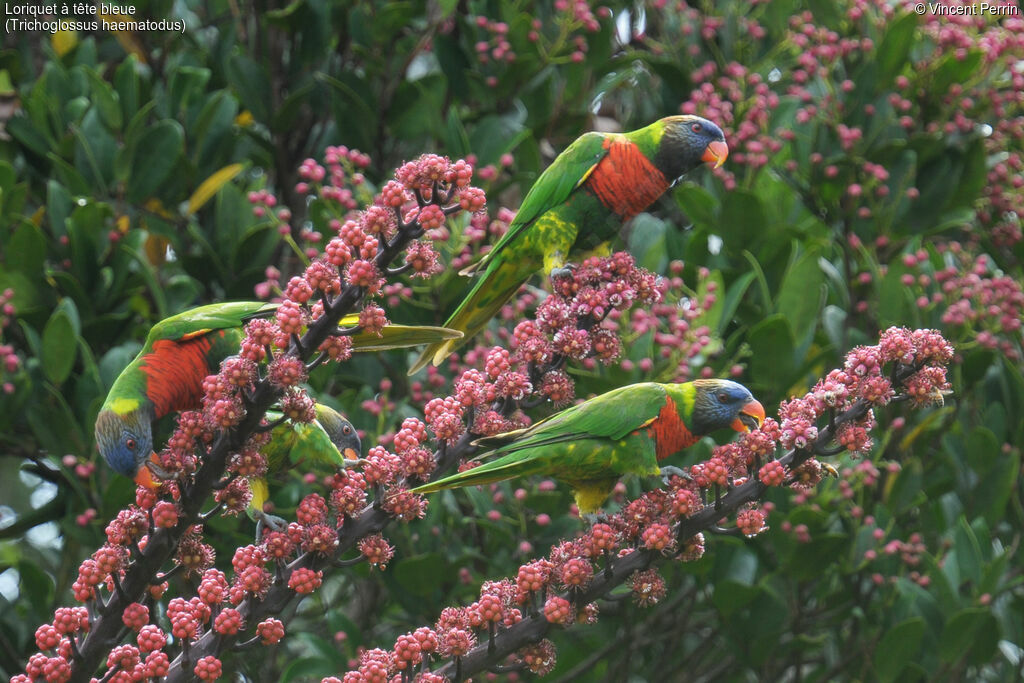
column 227, row 436
column 669, row 523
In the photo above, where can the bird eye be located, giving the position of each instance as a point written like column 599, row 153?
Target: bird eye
column 723, row 397
column 130, row 443
column 346, row 430
column 696, row 127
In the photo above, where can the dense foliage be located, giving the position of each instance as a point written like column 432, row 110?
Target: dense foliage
column 875, row 180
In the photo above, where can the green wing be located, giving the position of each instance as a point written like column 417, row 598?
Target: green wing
column 612, row 415
column 210, row 317
column 234, row 314
column 566, row 173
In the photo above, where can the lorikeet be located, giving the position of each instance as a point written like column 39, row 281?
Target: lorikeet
column 180, row 352
column 625, row 431
column 330, row 440
column 576, row 205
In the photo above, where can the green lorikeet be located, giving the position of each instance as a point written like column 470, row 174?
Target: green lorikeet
column 329, row 441
column 168, row 373
column 579, row 203
column 625, row 431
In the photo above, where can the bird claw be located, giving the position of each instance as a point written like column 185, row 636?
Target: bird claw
column 592, row 518
column 670, row 471
column 568, row 272
column 272, row 522
column 358, row 462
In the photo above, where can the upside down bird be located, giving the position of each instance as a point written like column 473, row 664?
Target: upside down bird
column 167, row 375
column 577, row 205
column 328, row 442
column 625, row 431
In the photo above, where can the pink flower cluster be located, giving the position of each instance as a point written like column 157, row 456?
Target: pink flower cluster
column 651, row 523
column 425, row 192
column 970, row 296
column 573, row 19
column 744, row 102
column 10, row 363
column 335, row 180
column 576, row 322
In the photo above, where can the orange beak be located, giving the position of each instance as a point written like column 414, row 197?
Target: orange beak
column 350, row 454
column 716, row 153
column 751, row 417
column 144, row 477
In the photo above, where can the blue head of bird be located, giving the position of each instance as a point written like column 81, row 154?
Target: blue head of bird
column 721, row 404
column 125, row 441
column 689, row 141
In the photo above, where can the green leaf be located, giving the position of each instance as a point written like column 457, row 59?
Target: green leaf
column 895, row 48
column 36, row 585
column 968, row 552
column 24, row 131
column 898, row 646
column 994, row 489
column 252, row 85
column 801, row 297
column 58, row 206
column 982, row 449
column 29, row 245
column 971, row 633
column 742, row 216
column 952, row 70
column 155, row 156
column 418, row 574
column 895, row 301
column 832, row 320
column 973, row 177
column 496, row 135
column 185, row 82
column 126, row 82
column 59, row 347
column 699, row 204
column 106, row 101
column 731, row 301
column 904, row 490
column 771, row 341
column 647, row 242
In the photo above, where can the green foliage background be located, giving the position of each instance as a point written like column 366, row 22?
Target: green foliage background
column 104, row 230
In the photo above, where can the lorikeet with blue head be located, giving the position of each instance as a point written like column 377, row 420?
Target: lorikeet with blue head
column 167, row 375
column 329, row 442
column 628, row 430
column 577, row 205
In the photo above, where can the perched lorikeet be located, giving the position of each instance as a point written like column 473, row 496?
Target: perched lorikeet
column 329, row 441
column 625, row 431
column 180, row 352
column 576, row 205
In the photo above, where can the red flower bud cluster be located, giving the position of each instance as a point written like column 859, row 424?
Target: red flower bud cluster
column 654, row 523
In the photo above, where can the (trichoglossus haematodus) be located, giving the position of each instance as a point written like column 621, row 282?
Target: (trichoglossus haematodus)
column 577, row 205
column 625, row 431
column 328, row 443
column 167, row 375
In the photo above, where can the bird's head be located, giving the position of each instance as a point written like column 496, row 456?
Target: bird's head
column 343, row 435
column 720, row 404
column 125, row 440
column 688, row 142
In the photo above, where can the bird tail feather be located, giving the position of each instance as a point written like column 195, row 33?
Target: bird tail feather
column 488, row 473
column 402, row 336
column 491, row 292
